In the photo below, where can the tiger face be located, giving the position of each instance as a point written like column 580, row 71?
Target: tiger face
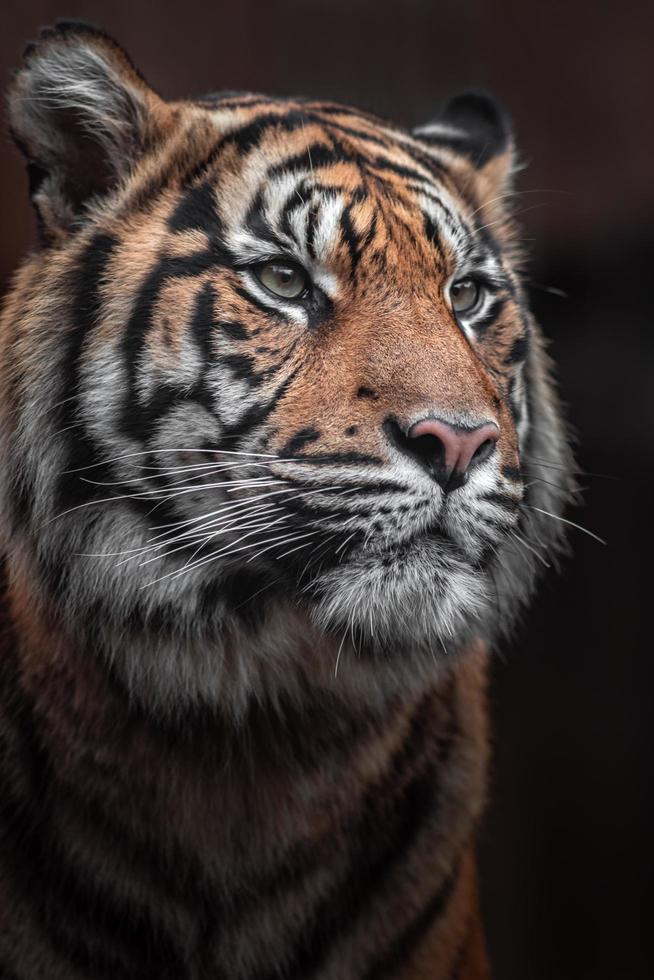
column 273, row 359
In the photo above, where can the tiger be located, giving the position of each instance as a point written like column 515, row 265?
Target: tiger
column 281, row 461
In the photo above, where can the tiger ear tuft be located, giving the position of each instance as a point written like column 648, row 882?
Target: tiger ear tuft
column 81, row 114
column 475, row 126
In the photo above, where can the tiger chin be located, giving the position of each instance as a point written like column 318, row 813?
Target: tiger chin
column 281, row 460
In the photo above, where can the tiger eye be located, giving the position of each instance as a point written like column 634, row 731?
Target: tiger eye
column 283, row 279
column 464, row 295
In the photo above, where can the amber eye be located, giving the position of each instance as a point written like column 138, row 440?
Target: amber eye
column 464, row 295
column 283, row 278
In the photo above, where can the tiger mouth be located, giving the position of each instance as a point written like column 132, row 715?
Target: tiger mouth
column 389, row 551
column 434, row 538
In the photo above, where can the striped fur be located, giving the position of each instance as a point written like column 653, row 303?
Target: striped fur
column 245, row 633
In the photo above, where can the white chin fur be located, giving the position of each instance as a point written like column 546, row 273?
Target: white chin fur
column 423, row 597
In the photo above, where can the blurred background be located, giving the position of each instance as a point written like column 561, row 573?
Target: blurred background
column 566, row 846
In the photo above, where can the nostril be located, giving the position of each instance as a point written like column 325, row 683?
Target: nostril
column 483, row 451
column 429, row 449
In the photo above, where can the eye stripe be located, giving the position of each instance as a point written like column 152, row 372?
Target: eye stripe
column 518, row 350
column 481, row 324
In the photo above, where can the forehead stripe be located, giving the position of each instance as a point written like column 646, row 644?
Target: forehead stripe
column 247, row 137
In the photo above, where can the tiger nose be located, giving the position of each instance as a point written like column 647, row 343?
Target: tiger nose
column 448, row 452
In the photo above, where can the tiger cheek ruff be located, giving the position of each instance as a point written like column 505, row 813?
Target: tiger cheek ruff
column 280, row 462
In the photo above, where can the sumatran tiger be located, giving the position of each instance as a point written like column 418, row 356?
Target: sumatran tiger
column 280, row 459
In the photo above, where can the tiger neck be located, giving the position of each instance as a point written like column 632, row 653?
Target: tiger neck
column 379, row 800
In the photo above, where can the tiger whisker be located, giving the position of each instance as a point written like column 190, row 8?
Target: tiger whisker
column 179, row 489
column 191, row 535
column 292, row 550
column 134, row 496
column 287, row 540
column 552, row 464
column 338, row 655
column 320, row 545
column 196, row 531
column 555, row 486
column 348, row 539
column 254, row 595
column 171, row 536
column 511, row 195
column 564, row 520
column 155, row 452
column 530, row 548
column 208, row 467
column 208, row 537
column 224, row 551
column 515, row 214
column 171, row 486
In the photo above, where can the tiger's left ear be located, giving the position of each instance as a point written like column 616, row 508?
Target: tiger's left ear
column 476, row 127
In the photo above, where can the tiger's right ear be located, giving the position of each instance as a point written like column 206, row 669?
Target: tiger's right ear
column 82, row 115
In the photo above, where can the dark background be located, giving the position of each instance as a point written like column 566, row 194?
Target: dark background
column 566, row 853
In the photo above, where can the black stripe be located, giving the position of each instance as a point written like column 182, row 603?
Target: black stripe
column 335, row 109
column 436, row 167
column 166, row 397
column 258, row 224
column 391, row 961
column 108, row 938
column 352, row 238
column 243, row 368
column 248, row 136
column 519, row 350
column 234, row 329
column 139, row 324
column 512, row 472
column 433, row 237
column 203, row 324
column 82, row 450
column 359, row 490
column 301, row 438
column 147, row 418
column 430, row 193
column 481, row 324
column 455, row 224
column 298, row 507
column 196, row 211
column 460, row 958
column 384, row 834
column 257, row 414
column 319, row 459
column 371, row 232
column 384, row 164
column 297, row 198
column 358, row 134
column 500, row 500
column 313, row 156
column 268, row 309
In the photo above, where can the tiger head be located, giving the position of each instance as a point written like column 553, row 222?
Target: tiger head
column 271, row 369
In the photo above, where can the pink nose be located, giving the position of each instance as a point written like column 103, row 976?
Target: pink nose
column 449, row 452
